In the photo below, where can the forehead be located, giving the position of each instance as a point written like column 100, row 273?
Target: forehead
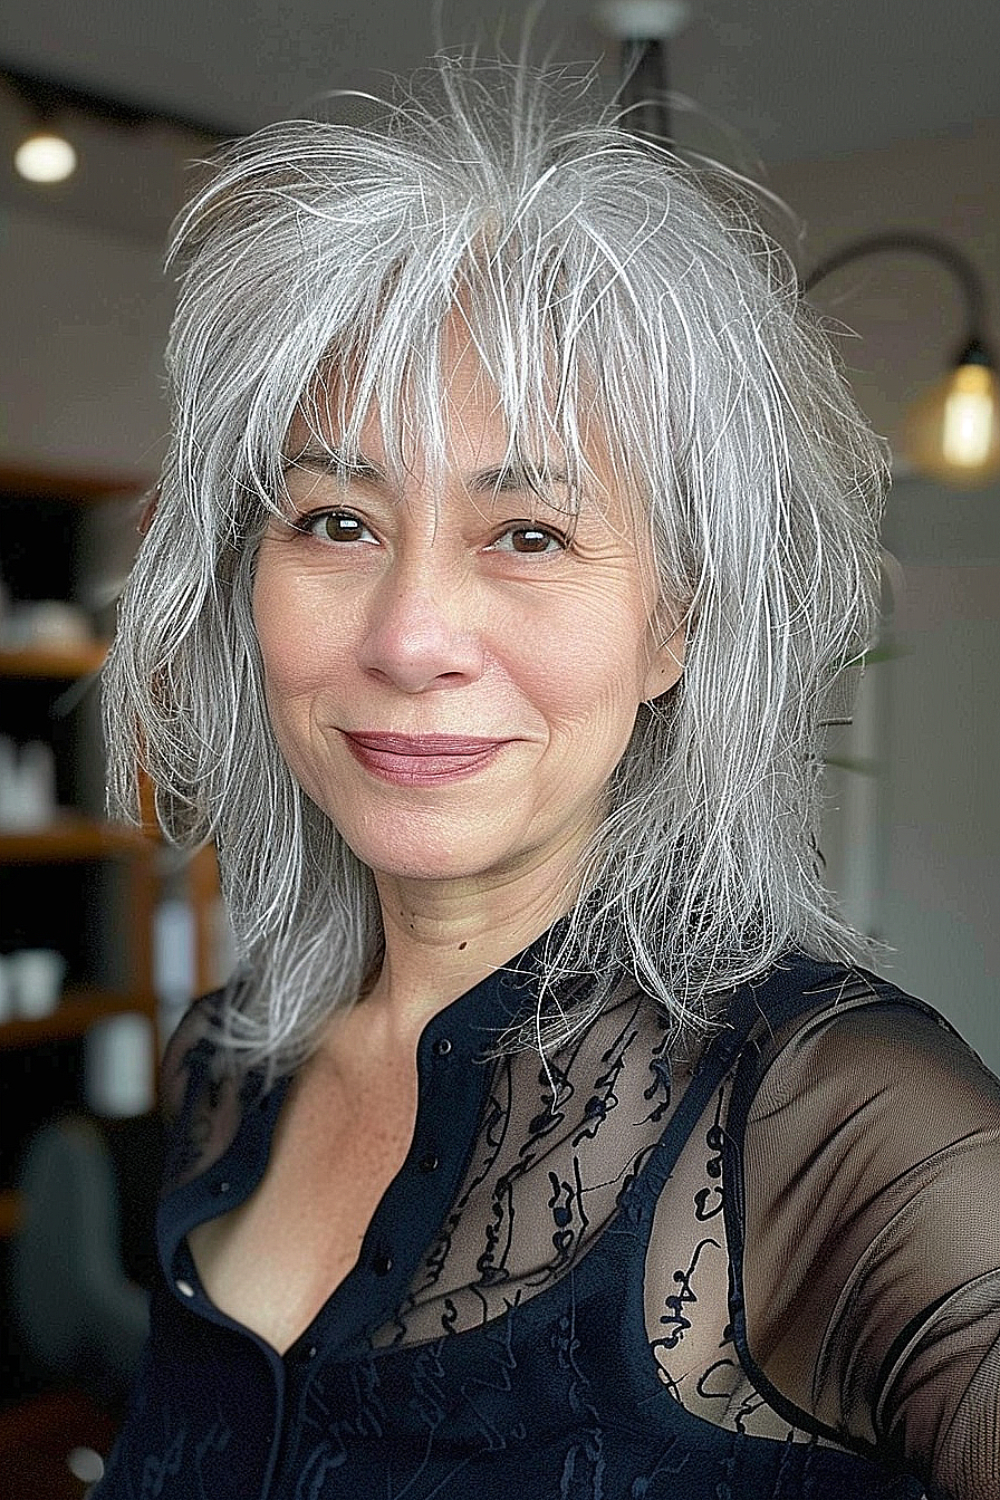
column 445, row 408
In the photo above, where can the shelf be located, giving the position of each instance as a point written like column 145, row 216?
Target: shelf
column 76, row 1012
column 70, row 837
column 10, row 1213
column 61, row 485
column 54, row 661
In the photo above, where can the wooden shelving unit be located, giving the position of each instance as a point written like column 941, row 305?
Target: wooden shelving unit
column 71, row 840
column 10, row 1213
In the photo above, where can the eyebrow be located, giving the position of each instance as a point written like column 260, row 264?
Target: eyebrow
column 324, row 460
column 514, row 477
column 517, row 476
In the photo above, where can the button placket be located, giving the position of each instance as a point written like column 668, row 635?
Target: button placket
column 429, row 1161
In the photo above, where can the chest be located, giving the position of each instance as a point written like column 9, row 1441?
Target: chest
column 273, row 1261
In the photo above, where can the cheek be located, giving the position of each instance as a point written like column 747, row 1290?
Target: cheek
column 297, row 642
column 271, row 612
column 293, row 661
column 586, row 669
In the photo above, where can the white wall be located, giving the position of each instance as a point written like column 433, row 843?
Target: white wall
column 83, row 320
column 913, row 836
column 941, row 823
column 913, row 839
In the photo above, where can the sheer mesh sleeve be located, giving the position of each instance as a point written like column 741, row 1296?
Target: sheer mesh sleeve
column 202, row 1101
column 870, row 1185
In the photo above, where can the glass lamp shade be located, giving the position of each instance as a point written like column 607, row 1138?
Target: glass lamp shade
column 953, row 432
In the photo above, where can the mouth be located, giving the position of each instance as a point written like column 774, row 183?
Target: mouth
column 421, row 759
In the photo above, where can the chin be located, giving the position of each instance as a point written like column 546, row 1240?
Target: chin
column 441, row 853
column 416, row 858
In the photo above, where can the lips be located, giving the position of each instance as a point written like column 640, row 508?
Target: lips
column 421, row 759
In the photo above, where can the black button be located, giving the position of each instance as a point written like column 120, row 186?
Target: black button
column 442, row 1047
column 429, row 1163
column 382, row 1264
column 307, row 1353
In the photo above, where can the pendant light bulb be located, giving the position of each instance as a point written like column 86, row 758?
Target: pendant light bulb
column 954, row 431
column 969, row 420
column 45, row 157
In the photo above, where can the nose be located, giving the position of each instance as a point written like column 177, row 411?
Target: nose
column 421, row 631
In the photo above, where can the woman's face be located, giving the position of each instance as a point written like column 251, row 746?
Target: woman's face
column 453, row 664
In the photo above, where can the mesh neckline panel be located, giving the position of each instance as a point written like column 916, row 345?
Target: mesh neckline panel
column 562, row 1155
column 556, row 1152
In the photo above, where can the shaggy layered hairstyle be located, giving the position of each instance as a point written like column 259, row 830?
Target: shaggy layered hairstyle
column 602, row 279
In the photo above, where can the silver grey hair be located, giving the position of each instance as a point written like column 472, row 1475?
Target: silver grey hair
column 600, row 277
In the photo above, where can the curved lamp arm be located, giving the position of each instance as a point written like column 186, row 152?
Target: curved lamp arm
column 954, row 433
column 931, row 245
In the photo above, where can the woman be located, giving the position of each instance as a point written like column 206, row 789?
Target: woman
column 516, row 525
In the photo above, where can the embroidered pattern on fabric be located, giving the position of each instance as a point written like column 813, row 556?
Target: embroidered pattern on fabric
column 557, row 1153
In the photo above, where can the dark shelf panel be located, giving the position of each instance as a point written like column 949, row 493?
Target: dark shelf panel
column 61, row 485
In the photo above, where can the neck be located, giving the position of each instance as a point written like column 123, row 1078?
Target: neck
column 443, row 937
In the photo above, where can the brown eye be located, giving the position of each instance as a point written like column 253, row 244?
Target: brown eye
column 341, row 528
column 336, row 526
column 529, row 541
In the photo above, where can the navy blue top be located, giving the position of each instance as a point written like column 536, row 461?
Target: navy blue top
column 626, row 1278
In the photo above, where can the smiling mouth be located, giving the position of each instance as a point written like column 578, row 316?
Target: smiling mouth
column 421, row 759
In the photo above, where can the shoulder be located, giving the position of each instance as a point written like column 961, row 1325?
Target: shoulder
column 861, row 1138
column 191, row 1052
column 856, row 1119
column 203, row 1094
column 845, row 1036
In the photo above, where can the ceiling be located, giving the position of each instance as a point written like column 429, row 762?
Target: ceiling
column 767, row 80
column 799, row 77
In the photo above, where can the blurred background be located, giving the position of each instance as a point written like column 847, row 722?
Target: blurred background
column 868, row 120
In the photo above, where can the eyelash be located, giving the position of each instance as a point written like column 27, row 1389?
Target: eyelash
column 307, row 525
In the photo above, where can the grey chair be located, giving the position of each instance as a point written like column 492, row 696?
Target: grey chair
column 82, row 1317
